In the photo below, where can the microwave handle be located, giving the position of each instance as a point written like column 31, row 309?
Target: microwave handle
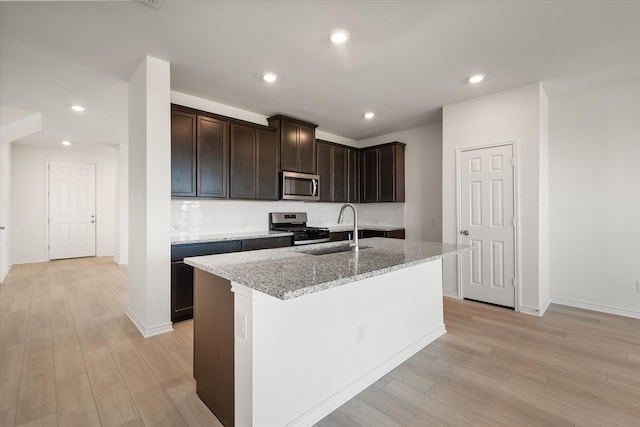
column 314, row 192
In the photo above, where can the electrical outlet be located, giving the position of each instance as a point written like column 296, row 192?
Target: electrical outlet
column 360, row 334
column 241, row 325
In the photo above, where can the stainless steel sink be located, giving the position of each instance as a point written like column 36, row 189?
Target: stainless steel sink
column 330, row 250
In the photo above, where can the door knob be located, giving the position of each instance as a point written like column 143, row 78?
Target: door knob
column 465, row 232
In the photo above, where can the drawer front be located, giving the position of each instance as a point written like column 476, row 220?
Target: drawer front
column 267, row 243
column 179, row 252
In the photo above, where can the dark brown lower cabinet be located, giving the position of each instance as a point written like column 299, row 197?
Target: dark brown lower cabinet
column 213, row 345
column 181, row 291
column 182, row 274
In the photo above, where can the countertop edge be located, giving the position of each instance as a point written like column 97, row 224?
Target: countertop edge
column 226, row 271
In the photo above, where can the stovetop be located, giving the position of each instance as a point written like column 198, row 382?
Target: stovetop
column 296, row 223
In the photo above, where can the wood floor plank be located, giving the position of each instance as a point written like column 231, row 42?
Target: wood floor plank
column 115, row 404
column 368, row 415
column 7, row 417
column 37, row 397
column 192, row 409
column 487, row 415
column 69, row 354
column 75, row 403
column 46, row 421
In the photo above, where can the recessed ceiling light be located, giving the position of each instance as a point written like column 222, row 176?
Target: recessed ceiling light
column 269, row 77
column 369, row 115
column 66, row 143
column 339, row 36
column 476, row 78
column 77, row 108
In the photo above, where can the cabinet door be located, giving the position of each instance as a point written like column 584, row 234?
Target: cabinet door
column 386, row 174
column 288, row 146
column 340, row 174
column 267, row 162
column 183, row 154
column 242, row 162
column 369, row 174
column 325, row 171
column 181, row 291
column 354, row 175
column 212, row 157
column 306, row 149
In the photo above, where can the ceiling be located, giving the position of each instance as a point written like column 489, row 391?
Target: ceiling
column 404, row 60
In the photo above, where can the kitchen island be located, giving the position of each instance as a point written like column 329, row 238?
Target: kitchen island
column 285, row 336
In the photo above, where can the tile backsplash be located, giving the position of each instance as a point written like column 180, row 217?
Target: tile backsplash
column 230, row 216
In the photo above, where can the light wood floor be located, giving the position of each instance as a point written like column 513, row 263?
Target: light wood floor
column 70, row 357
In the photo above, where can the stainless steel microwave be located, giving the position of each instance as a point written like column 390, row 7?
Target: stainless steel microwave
column 300, row 186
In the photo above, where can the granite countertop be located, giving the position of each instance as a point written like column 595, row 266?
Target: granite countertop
column 287, row 273
column 185, row 238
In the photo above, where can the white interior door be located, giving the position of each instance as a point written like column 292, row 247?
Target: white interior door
column 72, row 209
column 487, row 223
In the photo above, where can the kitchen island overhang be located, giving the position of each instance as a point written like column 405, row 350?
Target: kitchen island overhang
column 340, row 323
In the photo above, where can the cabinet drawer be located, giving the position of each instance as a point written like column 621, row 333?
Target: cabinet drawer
column 180, row 252
column 266, row 243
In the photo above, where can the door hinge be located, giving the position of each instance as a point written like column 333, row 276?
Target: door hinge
column 513, row 162
column 514, row 281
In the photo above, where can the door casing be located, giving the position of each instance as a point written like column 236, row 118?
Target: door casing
column 516, row 207
column 49, row 190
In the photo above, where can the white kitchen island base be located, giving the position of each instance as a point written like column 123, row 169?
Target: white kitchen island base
column 298, row 360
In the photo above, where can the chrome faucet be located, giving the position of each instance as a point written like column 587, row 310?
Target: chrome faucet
column 353, row 243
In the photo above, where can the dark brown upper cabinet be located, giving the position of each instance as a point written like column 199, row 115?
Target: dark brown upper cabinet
column 199, row 155
column 297, row 144
column 254, row 158
column 213, row 146
column 382, row 173
column 353, row 179
column 333, row 169
column 183, row 154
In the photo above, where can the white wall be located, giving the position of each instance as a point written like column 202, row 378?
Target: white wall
column 237, row 113
column 29, row 203
column 150, row 197
column 513, row 115
column 122, row 207
column 423, row 180
column 5, row 210
column 595, row 198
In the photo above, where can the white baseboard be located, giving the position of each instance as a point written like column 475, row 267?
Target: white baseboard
column 4, row 274
column 145, row 331
column 531, row 311
column 450, row 294
column 597, row 307
column 323, row 409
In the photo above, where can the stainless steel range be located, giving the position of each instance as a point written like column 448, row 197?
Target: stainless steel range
column 296, row 223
